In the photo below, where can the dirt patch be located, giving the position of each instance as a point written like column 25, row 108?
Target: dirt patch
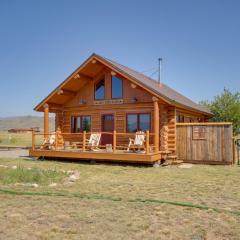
column 14, row 153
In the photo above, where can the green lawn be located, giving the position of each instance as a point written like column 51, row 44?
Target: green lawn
column 118, row 202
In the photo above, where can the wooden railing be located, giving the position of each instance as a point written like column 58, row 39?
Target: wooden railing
column 82, row 140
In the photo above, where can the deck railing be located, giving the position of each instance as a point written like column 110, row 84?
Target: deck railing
column 79, row 140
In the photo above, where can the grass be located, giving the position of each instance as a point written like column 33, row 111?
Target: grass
column 123, row 202
column 100, row 197
column 24, row 175
column 18, row 139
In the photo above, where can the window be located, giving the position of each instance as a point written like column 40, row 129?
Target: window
column 144, row 122
column 199, row 132
column 100, row 90
column 138, row 122
column 132, row 122
column 117, row 87
column 80, row 124
column 180, row 118
column 86, row 123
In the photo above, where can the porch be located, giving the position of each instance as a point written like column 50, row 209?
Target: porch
column 103, row 156
column 75, row 146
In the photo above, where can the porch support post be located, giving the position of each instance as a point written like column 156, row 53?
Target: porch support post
column 147, row 142
column 46, row 120
column 84, row 141
column 114, row 140
column 156, row 123
column 33, row 140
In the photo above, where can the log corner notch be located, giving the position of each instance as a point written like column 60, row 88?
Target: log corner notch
column 156, row 123
column 172, row 129
column 46, row 120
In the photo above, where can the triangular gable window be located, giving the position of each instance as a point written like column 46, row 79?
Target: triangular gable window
column 100, row 90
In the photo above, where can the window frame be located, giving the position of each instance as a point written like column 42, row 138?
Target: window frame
column 180, row 118
column 112, row 87
column 199, row 132
column 73, row 130
column 95, row 84
column 138, row 120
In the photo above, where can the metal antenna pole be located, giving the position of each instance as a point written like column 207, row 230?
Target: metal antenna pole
column 159, row 70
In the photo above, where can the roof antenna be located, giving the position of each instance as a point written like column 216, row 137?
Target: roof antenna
column 159, row 70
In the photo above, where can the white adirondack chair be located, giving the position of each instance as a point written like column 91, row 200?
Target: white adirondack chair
column 49, row 142
column 138, row 142
column 93, row 141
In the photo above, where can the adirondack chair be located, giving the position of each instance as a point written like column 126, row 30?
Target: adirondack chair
column 138, row 142
column 93, row 141
column 49, row 142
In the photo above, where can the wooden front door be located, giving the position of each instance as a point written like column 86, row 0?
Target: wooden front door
column 107, row 126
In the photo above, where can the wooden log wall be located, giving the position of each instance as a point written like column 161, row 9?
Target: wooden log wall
column 190, row 116
column 163, row 128
column 58, row 120
column 205, row 143
column 63, row 119
column 171, row 129
column 120, row 126
column 95, row 121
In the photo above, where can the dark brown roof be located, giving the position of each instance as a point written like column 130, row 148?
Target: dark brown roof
column 162, row 90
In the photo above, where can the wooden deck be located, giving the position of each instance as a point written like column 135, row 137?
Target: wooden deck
column 102, row 155
column 74, row 146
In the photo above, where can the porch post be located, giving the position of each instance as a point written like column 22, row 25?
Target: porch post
column 46, row 120
column 156, row 123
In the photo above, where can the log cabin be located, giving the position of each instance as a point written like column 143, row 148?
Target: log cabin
column 103, row 96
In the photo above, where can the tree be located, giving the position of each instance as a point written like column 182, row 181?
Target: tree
column 225, row 108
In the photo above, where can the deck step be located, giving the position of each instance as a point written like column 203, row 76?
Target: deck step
column 171, row 159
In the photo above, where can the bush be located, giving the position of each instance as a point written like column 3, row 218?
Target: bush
column 226, row 108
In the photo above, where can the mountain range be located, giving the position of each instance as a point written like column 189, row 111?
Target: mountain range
column 24, row 122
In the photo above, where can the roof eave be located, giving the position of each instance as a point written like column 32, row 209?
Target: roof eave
column 40, row 105
column 176, row 104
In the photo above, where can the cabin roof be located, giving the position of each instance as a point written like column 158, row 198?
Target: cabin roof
column 162, row 90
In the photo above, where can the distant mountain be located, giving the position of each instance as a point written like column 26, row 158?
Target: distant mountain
column 24, row 122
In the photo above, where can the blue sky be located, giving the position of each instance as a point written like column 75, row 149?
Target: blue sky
column 42, row 42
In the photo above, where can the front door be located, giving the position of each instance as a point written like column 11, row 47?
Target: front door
column 107, row 126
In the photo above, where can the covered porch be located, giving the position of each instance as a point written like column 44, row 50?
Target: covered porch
column 75, row 145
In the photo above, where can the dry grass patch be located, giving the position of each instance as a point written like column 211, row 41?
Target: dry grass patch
column 51, row 217
column 61, row 218
column 18, row 139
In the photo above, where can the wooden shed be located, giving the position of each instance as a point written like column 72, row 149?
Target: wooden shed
column 104, row 97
